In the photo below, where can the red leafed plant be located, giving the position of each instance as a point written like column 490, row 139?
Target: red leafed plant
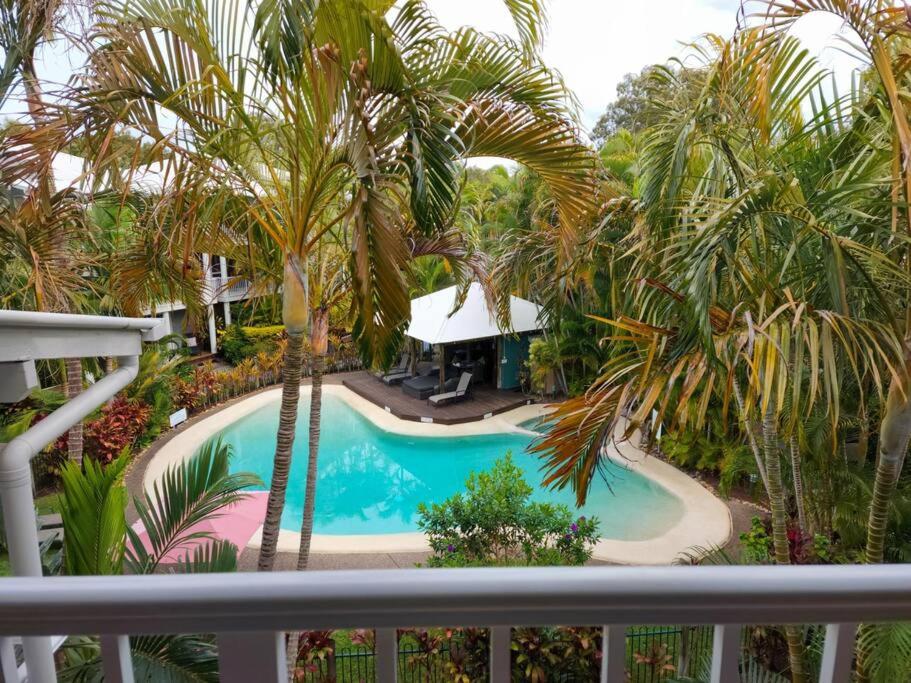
column 121, row 422
column 201, row 387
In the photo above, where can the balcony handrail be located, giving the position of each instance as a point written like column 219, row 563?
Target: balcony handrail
column 454, row 597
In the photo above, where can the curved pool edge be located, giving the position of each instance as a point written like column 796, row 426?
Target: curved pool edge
column 706, row 520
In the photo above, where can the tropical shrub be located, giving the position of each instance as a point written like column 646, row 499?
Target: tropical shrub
column 195, row 391
column 495, row 523
column 543, row 363
column 114, row 431
column 239, row 343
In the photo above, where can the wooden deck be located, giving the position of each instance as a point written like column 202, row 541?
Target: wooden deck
column 484, row 402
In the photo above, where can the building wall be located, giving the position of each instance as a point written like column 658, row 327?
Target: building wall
column 513, row 354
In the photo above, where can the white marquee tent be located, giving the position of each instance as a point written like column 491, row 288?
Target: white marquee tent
column 434, row 322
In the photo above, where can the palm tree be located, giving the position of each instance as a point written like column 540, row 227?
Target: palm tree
column 736, row 275
column 317, row 115
column 26, row 25
column 97, row 540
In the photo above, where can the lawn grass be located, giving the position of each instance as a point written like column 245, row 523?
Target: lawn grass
column 48, row 504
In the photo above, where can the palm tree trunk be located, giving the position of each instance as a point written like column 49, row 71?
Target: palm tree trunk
column 894, row 434
column 780, row 535
column 319, row 345
column 287, row 421
column 316, row 400
column 797, row 478
column 303, row 555
column 72, row 388
column 750, row 430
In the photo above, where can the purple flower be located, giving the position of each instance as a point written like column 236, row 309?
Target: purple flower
column 568, row 537
column 450, row 548
column 575, row 528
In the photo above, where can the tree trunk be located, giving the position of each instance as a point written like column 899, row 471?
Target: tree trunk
column 750, row 430
column 780, row 535
column 72, row 388
column 316, row 400
column 287, row 421
column 797, row 478
column 319, row 342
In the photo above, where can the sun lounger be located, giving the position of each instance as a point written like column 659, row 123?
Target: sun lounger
column 460, row 393
column 397, row 374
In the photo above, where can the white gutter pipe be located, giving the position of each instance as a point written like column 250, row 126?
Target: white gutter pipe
column 16, row 490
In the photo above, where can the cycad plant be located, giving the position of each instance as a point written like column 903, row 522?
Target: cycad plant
column 98, row 540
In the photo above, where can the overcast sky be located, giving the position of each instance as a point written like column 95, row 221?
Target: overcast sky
column 593, row 43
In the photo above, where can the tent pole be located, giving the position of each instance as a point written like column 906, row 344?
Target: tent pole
column 442, row 366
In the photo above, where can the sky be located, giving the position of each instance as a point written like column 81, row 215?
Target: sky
column 592, row 43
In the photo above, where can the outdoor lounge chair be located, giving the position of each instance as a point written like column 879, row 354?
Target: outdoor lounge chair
column 394, row 378
column 460, row 393
column 398, row 373
column 425, row 383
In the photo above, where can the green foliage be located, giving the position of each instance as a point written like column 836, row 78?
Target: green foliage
column 495, row 523
column 711, row 450
column 93, row 505
column 543, row 361
column 159, row 367
column 756, row 544
column 272, row 332
column 239, row 343
column 98, row 541
column 186, row 494
column 16, row 418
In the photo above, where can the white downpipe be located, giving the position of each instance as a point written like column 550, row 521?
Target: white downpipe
column 19, row 504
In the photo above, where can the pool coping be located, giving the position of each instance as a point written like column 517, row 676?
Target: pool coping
column 705, row 521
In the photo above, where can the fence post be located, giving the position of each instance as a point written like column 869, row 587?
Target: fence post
column 726, row 654
column 613, row 654
column 500, row 654
column 838, row 653
column 387, row 655
column 252, row 656
column 116, row 660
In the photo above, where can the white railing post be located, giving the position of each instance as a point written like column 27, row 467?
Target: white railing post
column 726, row 654
column 387, row 655
column 252, row 656
column 613, row 654
column 8, row 666
column 838, row 653
column 116, row 660
column 500, row 654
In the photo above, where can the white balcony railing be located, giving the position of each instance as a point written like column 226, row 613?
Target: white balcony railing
column 250, row 612
column 229, row 289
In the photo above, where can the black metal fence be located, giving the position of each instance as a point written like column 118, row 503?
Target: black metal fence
column 653, row 654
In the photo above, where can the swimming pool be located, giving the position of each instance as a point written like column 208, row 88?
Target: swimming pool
column 371, row 481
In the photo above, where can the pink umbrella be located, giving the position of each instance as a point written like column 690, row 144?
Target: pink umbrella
column 236, row 523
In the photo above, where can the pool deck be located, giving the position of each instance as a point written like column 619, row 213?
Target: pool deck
column 484, row 402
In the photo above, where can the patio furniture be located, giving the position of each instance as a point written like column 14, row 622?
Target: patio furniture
column 396, row 374
column 427, row 383
column 460, row 393
column 395, row 378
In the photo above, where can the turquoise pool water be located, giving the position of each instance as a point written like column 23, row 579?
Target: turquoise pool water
column 371, row 481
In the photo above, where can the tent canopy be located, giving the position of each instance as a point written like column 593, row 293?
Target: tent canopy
column 434, row 322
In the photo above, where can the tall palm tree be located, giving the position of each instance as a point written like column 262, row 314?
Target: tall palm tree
column 736, row 275
column 292, row 118
column 26, row 25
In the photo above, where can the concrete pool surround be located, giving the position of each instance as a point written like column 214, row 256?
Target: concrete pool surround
column 705, row 521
